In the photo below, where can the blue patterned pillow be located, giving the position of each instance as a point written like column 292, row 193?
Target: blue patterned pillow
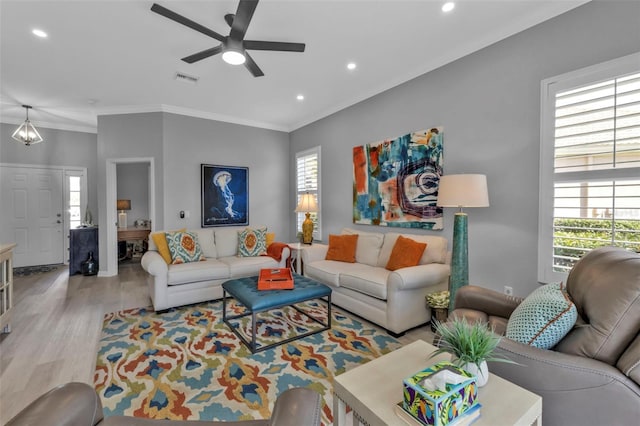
column 543, row 318
column 252, row 242
column 184, row 247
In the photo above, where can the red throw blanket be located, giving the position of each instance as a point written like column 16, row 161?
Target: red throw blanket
column 275, row 250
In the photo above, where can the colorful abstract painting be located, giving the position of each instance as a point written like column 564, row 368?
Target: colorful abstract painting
column 395, row 182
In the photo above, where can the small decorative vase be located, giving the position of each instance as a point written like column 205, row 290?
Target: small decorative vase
column 482, row 375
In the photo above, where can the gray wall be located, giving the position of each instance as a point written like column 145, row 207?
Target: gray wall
column 179, row 144
column 489, row 105
column 133, row 184
column 190, row 142
column 60, row 148
column 128, row 136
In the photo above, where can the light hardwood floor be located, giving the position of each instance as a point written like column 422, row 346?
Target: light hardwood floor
column 56, row 326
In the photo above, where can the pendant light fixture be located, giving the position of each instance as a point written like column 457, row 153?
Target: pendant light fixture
column 27, row 133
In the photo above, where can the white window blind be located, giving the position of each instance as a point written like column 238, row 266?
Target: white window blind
column 308, row 180
column 593, row 128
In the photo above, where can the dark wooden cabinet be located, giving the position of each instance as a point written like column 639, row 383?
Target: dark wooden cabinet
column 82, row 241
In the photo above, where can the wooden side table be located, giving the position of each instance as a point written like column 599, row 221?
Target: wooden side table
column 133, row 234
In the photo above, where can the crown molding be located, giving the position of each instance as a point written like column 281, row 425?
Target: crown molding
column 171, row 109
column 55, row 126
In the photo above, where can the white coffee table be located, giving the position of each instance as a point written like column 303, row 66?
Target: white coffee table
column 373, row 389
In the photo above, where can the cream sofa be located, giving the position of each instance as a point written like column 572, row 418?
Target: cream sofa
column 394, row 300
column 186, row 283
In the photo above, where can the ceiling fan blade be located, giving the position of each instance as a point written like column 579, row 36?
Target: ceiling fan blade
column 273, row 45
column 160, row 10
column 242, row 18
column 203, row 54
column 252, row 66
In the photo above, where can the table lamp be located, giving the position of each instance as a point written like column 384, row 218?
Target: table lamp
column 461, row 191
column 123, row 205
column 307, row 205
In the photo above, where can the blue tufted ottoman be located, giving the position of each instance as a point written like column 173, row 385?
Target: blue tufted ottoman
column 245, row 291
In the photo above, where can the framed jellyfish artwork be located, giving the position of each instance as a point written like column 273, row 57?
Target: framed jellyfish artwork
column 395, row 181
column 225, row 195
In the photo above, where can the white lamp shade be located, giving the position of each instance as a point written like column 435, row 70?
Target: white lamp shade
column 465, row 190
column 307, row 204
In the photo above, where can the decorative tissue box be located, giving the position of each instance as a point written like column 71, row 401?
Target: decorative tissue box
column 439, row 407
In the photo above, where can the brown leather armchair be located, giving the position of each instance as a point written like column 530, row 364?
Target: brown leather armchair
column 592, row 376
column 77, row 404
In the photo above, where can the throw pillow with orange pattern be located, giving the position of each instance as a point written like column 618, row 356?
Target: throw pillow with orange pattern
column 184, row 247
column 252, row 242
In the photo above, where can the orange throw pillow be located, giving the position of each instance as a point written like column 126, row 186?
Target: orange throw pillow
column 406, row 252
column 342, row 248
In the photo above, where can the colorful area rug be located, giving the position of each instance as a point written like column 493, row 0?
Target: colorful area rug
column 187, row 364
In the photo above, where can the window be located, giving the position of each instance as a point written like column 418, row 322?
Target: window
column 590, row 164
column 308, row 180
column 75, row 219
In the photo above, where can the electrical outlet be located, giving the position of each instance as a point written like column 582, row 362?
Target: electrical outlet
column 508, row 290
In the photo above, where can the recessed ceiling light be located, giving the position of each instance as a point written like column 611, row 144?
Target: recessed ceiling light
column 300, row 97
column 39, row 33
column 351, row 66
column 448, row 6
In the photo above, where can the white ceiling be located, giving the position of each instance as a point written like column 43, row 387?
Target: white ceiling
column 106, row 57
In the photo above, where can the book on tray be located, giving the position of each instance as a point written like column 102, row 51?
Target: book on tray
column 469, row 416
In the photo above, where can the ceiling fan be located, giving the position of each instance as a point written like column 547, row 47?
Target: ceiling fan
column 233, row 47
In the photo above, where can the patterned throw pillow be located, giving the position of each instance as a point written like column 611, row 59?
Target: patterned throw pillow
column 160, row 240
column 252, row 242
column 543, row 318
column 184, row 247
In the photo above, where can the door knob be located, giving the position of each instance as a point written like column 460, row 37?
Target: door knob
column 57, row 221
column 59, row 214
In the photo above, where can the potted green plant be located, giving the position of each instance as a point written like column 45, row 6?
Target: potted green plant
column 471, row 345
column 438, row 302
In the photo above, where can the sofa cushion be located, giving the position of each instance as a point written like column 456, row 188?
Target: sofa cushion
column 158, row 242
column 184, row 273
column 184, row 247
column 342, row 248
column 406, row 252
column 252, row 242
column 605, row 286
column 207, row 242
column 326, row 271
column 226, row 241
column 247, row 266
column 543, row 318
column 366, row 279
column 436, row 251
column 368, row 247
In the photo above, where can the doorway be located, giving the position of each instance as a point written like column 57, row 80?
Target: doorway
column 113, row 176
column 36, row 211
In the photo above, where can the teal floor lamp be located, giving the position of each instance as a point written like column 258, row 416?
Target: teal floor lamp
column 461, row 191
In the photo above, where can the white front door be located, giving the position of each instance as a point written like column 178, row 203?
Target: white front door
column 31, row 214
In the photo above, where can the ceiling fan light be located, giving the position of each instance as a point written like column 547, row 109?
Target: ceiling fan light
column 234, row 58
column 27, row 133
